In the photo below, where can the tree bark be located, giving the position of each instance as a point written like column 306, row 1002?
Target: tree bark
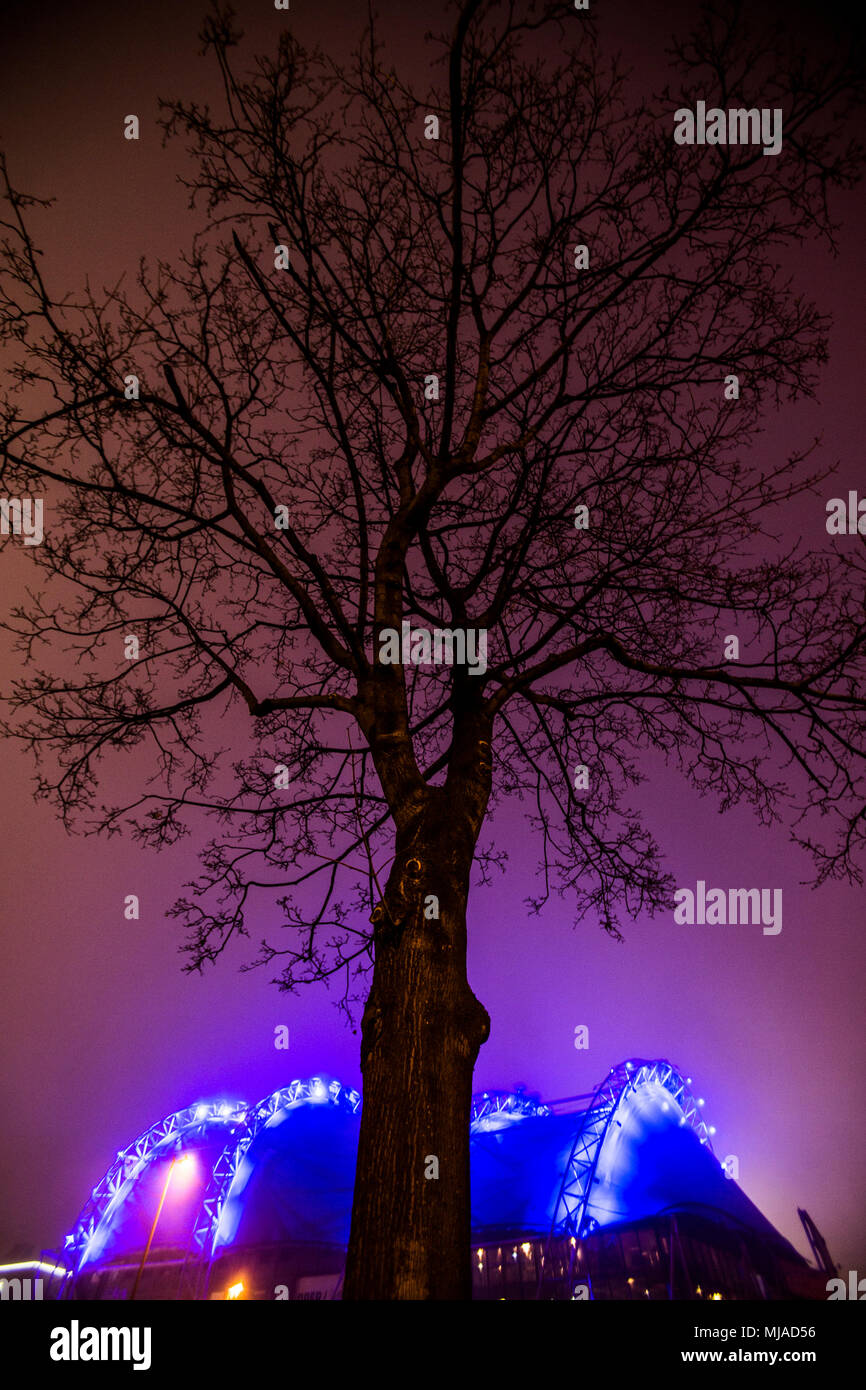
column 421, row 1034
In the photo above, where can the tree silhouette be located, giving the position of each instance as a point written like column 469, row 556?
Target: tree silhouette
column 478, row 380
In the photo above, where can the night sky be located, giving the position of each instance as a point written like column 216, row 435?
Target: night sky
column 102, row 1032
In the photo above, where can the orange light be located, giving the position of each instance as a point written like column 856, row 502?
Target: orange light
column 235, row 1290
column 183, row 1169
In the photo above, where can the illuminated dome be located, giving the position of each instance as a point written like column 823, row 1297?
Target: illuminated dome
column 226, row 1184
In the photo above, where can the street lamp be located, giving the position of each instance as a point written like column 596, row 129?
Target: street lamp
column 180, row 1161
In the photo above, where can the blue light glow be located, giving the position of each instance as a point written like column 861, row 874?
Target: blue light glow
column 283, row 1170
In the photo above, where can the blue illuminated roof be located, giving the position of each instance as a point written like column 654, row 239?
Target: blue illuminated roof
column 283, row 1171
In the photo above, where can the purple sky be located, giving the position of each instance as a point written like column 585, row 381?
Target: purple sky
column 103, row 1034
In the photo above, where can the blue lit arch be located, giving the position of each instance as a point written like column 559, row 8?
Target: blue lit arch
column 180, row 1130
column 620, row 1084
column 232, row 1171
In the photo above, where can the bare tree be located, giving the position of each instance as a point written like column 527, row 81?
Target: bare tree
column 377, row 391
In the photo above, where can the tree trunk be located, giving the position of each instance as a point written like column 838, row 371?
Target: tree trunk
column 421, row 1034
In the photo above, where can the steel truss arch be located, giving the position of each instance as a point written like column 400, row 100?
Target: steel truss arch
column 227, row 1168
column 569, row 1213
column 168, row 1135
